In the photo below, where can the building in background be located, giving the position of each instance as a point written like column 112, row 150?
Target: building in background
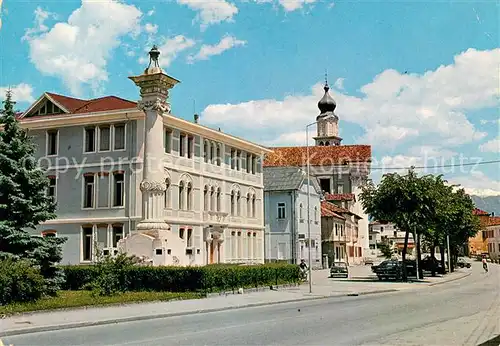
column 285, row 216
column 478, row 245
column 340, row 169
column 492, row 233
column 386, row 232
column 131, row 175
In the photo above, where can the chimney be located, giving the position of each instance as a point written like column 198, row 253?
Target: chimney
column 196, row 118
column 492, row 214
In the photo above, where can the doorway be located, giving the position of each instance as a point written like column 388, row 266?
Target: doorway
column 212, row 251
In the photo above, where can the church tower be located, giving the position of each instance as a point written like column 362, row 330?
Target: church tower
column 327, row 121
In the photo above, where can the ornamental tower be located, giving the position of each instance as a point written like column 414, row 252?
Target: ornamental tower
column 327, row 121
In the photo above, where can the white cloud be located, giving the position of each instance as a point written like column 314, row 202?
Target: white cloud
column 151, row 28
column 478, row 183
column 170, row 49
column 206, row 50
column 211, row 12
column 492, row 146
column 20, row 93
column 288, row 5
column 429, row 107
column 77, row 51
column 339, row 83
column 151, row 12
column 40, row 17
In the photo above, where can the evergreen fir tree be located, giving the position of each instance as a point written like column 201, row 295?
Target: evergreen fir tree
column 24, row 202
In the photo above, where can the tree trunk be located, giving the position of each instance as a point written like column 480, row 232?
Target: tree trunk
column 403, row 255
column 443, row 265
column 419, row 259
column 433, row 258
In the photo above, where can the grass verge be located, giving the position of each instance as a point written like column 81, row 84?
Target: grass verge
column 76, row 299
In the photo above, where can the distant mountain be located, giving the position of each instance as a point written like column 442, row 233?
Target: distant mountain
column 491, row 204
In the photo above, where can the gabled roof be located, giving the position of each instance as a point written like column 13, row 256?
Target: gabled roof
column 340, row 197
column 480, row 212
column 336, row 209
column 318, row 155
column 325, row 212
column 72, row 105
column 286, row 178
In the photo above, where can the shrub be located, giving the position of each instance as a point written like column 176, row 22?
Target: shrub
column 20, row 282
column 178, row 279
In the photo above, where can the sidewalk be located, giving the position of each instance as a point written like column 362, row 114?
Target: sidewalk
column 323, row 287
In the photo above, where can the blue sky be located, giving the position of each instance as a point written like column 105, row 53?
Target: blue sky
column 417, row 80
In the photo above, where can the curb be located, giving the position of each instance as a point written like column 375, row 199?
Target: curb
column 175, row 314
column 451, row 280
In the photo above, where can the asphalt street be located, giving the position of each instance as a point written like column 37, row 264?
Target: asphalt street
column 462, row 312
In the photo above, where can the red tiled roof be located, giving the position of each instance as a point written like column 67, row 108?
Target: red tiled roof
column 493, row 221
column 318, row 155
column 480, row 212
column 336, row 209
column 340, row 197
column 327, row 212
column 80, row 106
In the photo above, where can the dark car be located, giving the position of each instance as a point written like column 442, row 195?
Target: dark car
column 393, row 269
column 431, row 263
column 339, row 270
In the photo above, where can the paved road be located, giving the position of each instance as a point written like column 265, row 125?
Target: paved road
column 463, row 312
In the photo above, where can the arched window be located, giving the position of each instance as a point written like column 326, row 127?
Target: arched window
column 206, row 149
column 327, row 143
column 167, row 193
column 232, row 202
column 301, row 211
column 218, row 199
column 238, row 203
column 254, row 210
column 218, row 155
column 212, row 199
column 49, row 233
column 189, row 197
column 181, row 196
column 206, row 202
column 321, row 143
column 249, row 205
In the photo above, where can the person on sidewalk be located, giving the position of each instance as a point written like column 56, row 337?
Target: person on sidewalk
column 303, row 267
column 485, row 264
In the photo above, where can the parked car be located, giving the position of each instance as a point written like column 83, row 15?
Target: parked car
column 393, row 269
column 428, row 263
column 368, row 261
column 339, row 270
column 462, row 263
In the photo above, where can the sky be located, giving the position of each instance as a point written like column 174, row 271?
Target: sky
column 417, row 80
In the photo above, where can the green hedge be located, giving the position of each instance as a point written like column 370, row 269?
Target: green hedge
column 181, row 279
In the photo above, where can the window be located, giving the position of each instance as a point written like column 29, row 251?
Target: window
column 181, row 233
column 190, row 147
column 88, row 190
column 167, row 193
column 218, row 155
column 52, row 142
column 325, row 185
column 238, row 160
column 181, row 195
column 249, row 205
column 254, row 164
column 340, row 188
column 213, row 202
column 104, row 138
column 233, row 197
column 248, row 156
column 337, row 230
column 206, row 201
column 52, row 189
column 182, row 144
column 212, row 153
column 281, row 211
column 206, row 148
column 189, row 240
column 301, row 211
column 87, row 243
column 253, row 206
column 218, row 199
column 233, row 158
column 189, row 197
column 49, row 234
column 119, row 137
column 167, row 141
column 238, row 203
column 118, row 189
column 117, row 234
column 89, row 145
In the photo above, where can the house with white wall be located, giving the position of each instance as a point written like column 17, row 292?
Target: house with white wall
column 286, row 216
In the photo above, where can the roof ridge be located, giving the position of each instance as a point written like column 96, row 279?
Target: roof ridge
column 114, row 96
column 68, row 97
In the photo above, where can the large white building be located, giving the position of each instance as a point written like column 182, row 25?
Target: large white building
column 134, row 176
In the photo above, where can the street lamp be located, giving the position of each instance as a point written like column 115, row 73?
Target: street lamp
column 309, row 200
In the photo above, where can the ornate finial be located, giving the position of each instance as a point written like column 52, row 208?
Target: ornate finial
column 154, row 54
column 326, row 76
